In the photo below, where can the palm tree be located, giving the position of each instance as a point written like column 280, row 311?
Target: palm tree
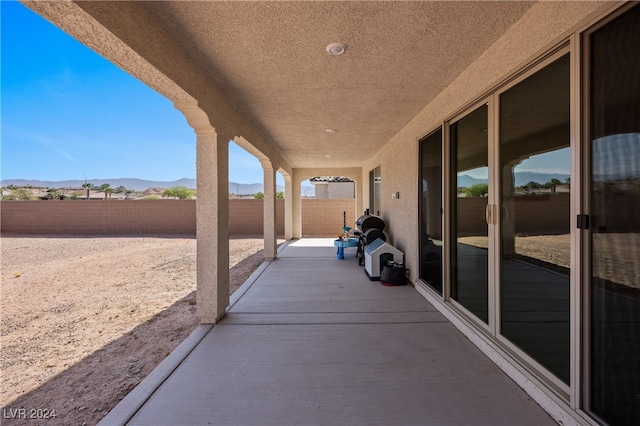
column 106, row 188
column 87, row 189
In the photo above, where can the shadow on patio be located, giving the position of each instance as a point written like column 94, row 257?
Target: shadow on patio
column 313, row 341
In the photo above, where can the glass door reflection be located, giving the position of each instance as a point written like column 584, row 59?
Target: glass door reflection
column 469, row 254
column 535, row 196
column 614, row 229
column 431, row 210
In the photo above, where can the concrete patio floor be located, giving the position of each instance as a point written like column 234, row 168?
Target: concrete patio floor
column 309, row 340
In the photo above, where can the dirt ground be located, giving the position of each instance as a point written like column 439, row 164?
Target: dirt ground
column 554, row 249
column 84, row 320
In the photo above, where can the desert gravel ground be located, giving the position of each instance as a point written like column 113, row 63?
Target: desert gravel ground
column 83, row 320
column 615, row 257
column 554, row 249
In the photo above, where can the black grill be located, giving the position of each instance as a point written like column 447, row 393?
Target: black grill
column 370, row 228
column 368, row 221
column 370, row 235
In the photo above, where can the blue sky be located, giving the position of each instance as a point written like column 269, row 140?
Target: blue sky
column 68, row 113
column 554, row 162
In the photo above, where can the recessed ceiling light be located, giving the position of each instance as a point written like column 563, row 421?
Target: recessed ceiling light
column 327, row 156
column 336, row 49
column 330, row 130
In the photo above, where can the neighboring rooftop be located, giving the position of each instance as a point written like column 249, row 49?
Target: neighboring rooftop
column 327, row 179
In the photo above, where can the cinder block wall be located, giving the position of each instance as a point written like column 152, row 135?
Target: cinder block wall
column 537, row 214
column 246, row 217
column 324, row 218
column 320, row 218
column 96, row 217
column 543, row 214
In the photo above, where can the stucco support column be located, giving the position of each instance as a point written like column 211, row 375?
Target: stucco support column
column 296, row 219
column 212, row 214
column 269, row 218
column 212, row 226
column 288, row 208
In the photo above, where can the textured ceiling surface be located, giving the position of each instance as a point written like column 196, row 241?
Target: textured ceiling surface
column 269, row 59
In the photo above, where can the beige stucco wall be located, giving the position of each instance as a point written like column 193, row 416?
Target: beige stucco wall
column 341, row 190
column 546, row 24
column 335, row 190
column 321, row 190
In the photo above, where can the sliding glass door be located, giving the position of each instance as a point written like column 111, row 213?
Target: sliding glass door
column 535, row 196
column 469, row 229
column 535, row 219
column 614, row 228
column 510, row 197
column 431, row 236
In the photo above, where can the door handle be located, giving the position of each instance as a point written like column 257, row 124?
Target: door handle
column 491, row 214
column 505, row 214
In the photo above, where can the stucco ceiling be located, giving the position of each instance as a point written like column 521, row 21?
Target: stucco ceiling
column 269, row 59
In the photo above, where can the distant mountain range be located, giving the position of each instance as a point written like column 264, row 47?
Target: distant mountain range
column 141, row 184
column 522, row 178
column 131, row 183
